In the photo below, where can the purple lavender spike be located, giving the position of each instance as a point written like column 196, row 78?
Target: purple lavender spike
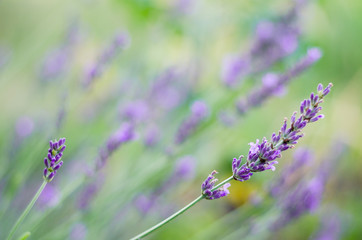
column 24, row 127
column 262, row 156
column 54, row 156
column 273, row 84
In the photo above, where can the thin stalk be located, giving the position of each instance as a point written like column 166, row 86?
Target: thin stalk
column 155, row 227
column 27, row 210
column 223, row 183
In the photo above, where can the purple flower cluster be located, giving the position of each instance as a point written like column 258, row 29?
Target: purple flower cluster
column 274, row 84
column 124, row 134
column 262, row 156
column 199, row 111
column 53, row 161
column 96, row 69
column 273, row 41
column 208, row 191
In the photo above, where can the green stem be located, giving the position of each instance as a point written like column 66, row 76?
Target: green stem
column 148, row 231
column 223, row 183
column 27, row 210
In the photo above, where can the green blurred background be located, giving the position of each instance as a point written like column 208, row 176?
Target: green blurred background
column 163, row 35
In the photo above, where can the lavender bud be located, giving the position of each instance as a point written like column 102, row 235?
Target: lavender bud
column 208, row 185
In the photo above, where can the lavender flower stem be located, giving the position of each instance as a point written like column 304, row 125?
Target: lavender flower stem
column 27, row 210
column 223, row 183
column 155, row 227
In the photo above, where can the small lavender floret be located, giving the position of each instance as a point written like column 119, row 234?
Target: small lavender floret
column 208, row 185
column 53, row 161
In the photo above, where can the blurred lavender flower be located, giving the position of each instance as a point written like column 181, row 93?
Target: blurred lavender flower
column 262, row 156
column 273, row 41
column 24, row 127
column 89, row 193
column 199, row 111
column 57, row 60
column 275, row 84
column 233, row 68
column 183, row 6
column 124, row 134
column 330, row 228
column 184, row 169
column 207, row 188
column 307, row 195
column 169, row 89
column 302, row 157
column 50, row 197
column 136, row 111
column 95, row 70
column 151, row 136
column 53, row 161
column 78, row 232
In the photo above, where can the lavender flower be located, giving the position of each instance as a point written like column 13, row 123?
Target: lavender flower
column 275, row 84
column 330, row 228
column 262, row 156
column 199, row 111
column 106, row 57
column 207, row 188
column 57, row 60
column 233, row 68
column 272, row 42
column 53, row 161
column 124, row 134
column 78, row 232
column 302, row 157
column 137, row 111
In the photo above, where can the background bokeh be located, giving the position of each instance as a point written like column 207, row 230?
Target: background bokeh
column 46, row 49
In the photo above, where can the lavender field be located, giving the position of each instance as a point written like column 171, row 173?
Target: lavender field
column 180, row 119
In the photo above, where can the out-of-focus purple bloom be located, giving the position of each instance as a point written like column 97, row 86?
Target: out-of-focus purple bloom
column 151, row 136
column 272, row 42
column 275, row 84
column 78, row 232
column 207, row 188
column 96, row 69
column 24, row 127
column 185, row 167
column 89, row 192
column 57, row 60
column 53, row 160
column 144, row 204
column 262, row 155
column 305, row 198
column 199, row 111
column 137, row 111
column 270, row 80
column 233, row 69
column 302, row 157
column 50, row 197
column 168, row 91
column 124, row 134
column 330, row 228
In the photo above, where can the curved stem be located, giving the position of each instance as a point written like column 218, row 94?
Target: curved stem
column 27, row 210
column 148, row 231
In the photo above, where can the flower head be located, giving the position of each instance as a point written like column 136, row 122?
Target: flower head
column 208, row 185
column 53, row 160
column 262, row 155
